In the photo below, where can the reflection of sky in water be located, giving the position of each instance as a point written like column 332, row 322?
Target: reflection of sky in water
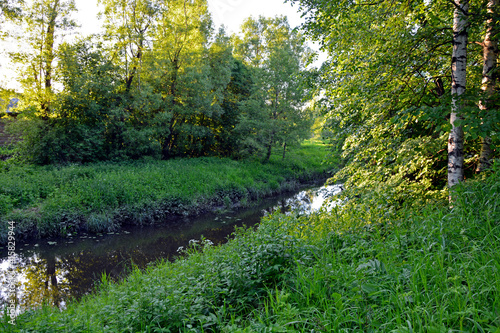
column 56, row 270
column 37, row 280
column 313, row 200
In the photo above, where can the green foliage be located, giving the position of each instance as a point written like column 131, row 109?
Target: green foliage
column 275, row 113
column 361, row 267
column 124, row 97
column 230, row 139
column 9, row 9
column 41, row 21
column 98, row 197
column 386, row 89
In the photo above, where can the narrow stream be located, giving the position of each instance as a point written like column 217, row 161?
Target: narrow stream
column 60, row 269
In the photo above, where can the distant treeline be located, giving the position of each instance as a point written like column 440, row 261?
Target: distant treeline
column 159, row 82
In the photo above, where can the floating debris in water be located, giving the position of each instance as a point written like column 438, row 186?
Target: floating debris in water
column 52, row 243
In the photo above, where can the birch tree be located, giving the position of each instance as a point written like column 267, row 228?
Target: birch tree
column 490, row 56
column 387, row 87
column 458, row 85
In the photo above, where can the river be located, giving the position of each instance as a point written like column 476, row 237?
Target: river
column 57, row 270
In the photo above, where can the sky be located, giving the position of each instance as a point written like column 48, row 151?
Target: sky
column 229, row 13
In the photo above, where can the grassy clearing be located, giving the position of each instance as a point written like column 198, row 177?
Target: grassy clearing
column 360, row 268
column 59, row 200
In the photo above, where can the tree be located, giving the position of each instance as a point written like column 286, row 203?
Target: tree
column 9, row 9
column 42, row 21
column 490, row 56
column 128, row 25
column 156, row 85
column 130, row 35
column 238, row 91
column 180, row 76
column 284, row 96
column 458, row 78
column 214, row 123
column 388, row 88
column 277, row 54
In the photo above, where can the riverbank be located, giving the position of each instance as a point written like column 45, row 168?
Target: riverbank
column 361, row 267
column 56, row 201
column 73, row 266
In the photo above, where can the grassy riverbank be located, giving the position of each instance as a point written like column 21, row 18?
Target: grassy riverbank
column 47, row 201
column 362, row 268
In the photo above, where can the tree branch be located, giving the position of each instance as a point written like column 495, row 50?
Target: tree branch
column 458, row 7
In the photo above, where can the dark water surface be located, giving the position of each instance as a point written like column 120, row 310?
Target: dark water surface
column 57, row 270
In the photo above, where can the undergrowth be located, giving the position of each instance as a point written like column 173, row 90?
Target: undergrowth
column 359, row 268
column 45, row 201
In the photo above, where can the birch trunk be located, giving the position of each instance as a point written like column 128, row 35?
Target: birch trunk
column 458, row 74
column 490, row 56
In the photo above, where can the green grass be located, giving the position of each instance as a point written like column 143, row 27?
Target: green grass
column 52, row 200
column 360, row 268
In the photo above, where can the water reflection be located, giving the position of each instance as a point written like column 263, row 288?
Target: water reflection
column 55, row 271
column 312, row 200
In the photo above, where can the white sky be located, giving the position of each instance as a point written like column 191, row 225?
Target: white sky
column 229, row 13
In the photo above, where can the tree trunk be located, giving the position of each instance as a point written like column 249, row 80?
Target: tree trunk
column 269, row 149
column 48, row 57
column 284, row 150
column 49, row 45
column 484, row 155
column 173, row 79
column 490, row 56
column 168, row 144
column 458, row 74
column 137, row 66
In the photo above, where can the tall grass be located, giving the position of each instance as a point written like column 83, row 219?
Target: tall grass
column 359, row 268
column 100, row 197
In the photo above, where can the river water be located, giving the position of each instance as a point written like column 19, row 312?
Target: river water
column 56, row 270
